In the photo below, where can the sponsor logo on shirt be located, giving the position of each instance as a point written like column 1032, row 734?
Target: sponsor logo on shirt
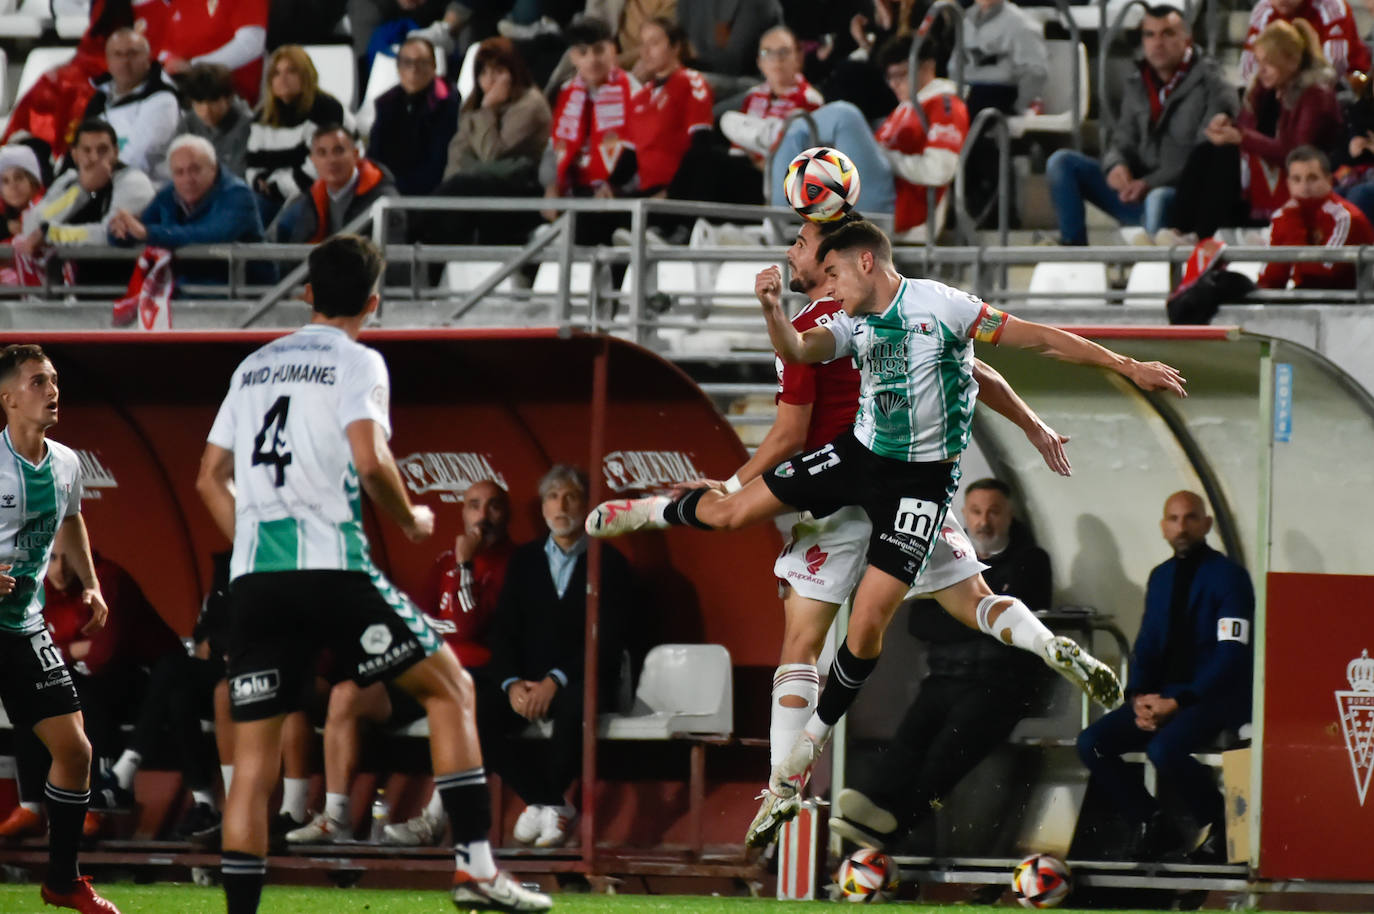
column 627, row 471
column 94, row 475
column 815, row 558
column 947, row 132
column 389, row 659
column 890, row 402
column 253, row 687
column 450, row 473
column 376, row 638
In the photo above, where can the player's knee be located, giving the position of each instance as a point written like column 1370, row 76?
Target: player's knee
column 343, row 702
column 73, row 753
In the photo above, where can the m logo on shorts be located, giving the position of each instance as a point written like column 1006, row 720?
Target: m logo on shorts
column 916, row 517
column 376, row 639
column 251, row 687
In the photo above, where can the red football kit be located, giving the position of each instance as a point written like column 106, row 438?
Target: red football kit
column 1331, row 221
column 832, row 388
column 664, row 114
column 447, row 591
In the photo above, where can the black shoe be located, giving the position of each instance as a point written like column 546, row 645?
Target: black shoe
column 1159, row 839
column 1211, row 845
column 281, row 823
column 199, row 821
column 108, row 796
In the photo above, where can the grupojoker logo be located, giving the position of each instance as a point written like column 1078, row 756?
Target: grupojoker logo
column 1357, row 719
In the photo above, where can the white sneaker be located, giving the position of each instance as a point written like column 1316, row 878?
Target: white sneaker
column 556, row 824
column 751, row 132
column 790, row 776
column 416, row 832
column 319, row 830
column 616, row 518
column 1065, row 657
column 529, row 824
column 773, row 812
column 499, row 893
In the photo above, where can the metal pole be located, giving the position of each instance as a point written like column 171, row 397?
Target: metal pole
column 591, row 653
column 639, row 264
column 567, row 241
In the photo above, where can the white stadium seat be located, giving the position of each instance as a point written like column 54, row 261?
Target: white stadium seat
column 337, row 69
column 467, row 73
column 684, row 690
column 23, row 18
column 40, row 61
column 546, row 278
column 461, row 276
column 1059, row 114
column 1148, row 286
column 1051, row 278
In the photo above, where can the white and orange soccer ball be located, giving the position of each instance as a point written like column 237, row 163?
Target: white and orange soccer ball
column 1040, row 881
column 822, row 184
column 867, row 876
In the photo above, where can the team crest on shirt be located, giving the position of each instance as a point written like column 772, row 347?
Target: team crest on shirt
column 7, row 500
column 376, row 639
column 784, row 470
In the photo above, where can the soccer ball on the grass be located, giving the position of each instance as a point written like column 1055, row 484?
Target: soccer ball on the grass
column 1040, row 881
column 821, row 184
column 867, row 876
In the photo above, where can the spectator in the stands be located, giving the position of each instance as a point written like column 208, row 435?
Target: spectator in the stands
column 139, row 101
column 347, row 186
column 671, row 111
column 204, row 204
column 1290, row 103
column 1172, row 96
column 903, row 158
column 590, row 155
column 1314, row 215
column 503, row 129
column 1006, row 64
column 278, row 163
column 536, row 670
column 415, row 121
column 625, row 18
column 77, row 209
column 230, row 33
column 723, row 37
column 783, row 92
column 1333, row 22
column 21, row 187
column 379, row 25
column 218, row 114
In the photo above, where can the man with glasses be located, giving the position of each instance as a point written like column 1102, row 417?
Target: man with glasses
column 415, row 121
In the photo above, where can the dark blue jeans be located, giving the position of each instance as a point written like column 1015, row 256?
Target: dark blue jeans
column 1076, row 179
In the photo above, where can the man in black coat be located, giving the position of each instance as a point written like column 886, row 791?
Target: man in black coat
column 974, row 695
column 536, row 671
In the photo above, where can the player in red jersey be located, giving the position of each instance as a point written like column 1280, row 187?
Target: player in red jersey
column 1314, row 215
column 823, row 558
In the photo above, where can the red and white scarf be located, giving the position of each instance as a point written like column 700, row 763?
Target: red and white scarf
column 148, row 303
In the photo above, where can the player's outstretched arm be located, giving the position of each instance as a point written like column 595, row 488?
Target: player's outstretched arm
column 999, row 396
column 381, row 479
column 1070, row 347
column 815, row 345
column 786, row 437
column 75, row 546
column 215, row 483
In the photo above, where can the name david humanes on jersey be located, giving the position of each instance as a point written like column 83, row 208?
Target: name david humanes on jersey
column 294, row 372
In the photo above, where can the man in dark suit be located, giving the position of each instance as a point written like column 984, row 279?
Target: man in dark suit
column 977, row 691
column 1190, row 681
column 536, row 670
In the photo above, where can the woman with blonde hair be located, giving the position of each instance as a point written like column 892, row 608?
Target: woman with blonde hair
column 293, row 106
column 1237, row 176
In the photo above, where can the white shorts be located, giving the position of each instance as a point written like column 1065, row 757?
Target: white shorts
column 824, row 558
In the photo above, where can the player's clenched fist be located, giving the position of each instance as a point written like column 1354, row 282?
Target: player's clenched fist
column 768, row 287
column 421, row 524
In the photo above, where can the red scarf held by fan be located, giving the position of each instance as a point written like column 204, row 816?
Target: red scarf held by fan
column 590, row 120
column 149, row 298
column 1158, row 92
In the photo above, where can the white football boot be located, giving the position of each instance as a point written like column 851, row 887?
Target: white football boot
column 616, row 518
column 319, row 830
column 1065, row 657
column 529, row 824
column 499, row 893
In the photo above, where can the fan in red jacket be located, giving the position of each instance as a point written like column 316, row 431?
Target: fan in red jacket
column 670, row 108
column 228, row 32
column 1314, row 215
column 1333, row 22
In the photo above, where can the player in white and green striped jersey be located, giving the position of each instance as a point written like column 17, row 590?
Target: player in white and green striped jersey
column 302, row 432
column 913, row 341
column 40, row 512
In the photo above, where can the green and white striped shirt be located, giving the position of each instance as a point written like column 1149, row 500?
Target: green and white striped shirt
column 34, row 501
column 297, row 497
column 916, row 389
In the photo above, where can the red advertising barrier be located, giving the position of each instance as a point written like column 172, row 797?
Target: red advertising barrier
column 1317, row 809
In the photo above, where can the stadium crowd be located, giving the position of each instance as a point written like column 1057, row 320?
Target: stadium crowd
column 651, row 98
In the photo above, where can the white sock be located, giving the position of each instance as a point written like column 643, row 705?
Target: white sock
column 817, row 729
column 1016, row 626
column 203, row 796
column 661, row 503
column 434, row 809
column 336, row 807
column 31, row 807
column 293, row 797
column 474, row 858
column 125, row 769
column 800, row 680
column 226, row 774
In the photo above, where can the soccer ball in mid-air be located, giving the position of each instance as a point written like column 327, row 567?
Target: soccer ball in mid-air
column 867, row 876
column 821, row 184
column 1040, row 881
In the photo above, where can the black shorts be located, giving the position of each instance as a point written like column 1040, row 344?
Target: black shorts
column 34, row 682
column 905, row 502
column 279, row 621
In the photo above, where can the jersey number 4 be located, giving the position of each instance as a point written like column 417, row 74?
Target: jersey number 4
column 269, row 447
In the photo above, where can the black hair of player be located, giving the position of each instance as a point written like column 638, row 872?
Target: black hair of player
column 857, row 236
column 95, row 125
column 989, row 484
column 329, row 127
column 1308, row 154
column 343, row 274
column 207, row 82
column 587, row 30
column 827, row 229
column 14, row 356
